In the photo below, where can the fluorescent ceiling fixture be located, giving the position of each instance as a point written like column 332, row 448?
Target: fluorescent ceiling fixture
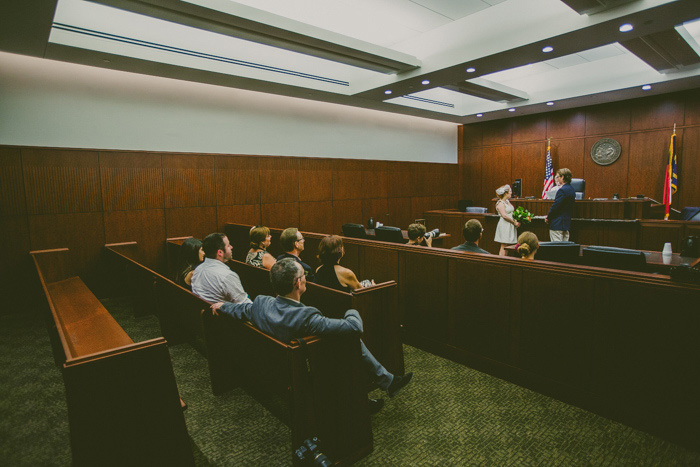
column 92, row 26
column 627, row 27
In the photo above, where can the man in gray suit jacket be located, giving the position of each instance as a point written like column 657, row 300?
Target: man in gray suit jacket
column 286, row 318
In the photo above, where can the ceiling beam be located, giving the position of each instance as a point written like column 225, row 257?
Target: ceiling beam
column 665, row 51
column 485, row 89
column 236, row 20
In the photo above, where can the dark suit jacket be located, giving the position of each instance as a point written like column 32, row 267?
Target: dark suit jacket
column 559, row 215
column 469, row 246
column 307, row 269
column 285, row 319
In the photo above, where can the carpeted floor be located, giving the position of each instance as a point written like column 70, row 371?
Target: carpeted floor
column 449, row 415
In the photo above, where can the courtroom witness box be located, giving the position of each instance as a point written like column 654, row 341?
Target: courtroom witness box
column 123, row 402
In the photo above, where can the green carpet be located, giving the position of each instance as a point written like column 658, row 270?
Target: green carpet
column 449, row 415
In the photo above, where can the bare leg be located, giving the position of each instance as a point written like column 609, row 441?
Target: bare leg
column 502, row 251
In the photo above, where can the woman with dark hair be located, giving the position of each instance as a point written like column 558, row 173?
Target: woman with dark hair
column 191, row 255
column 527, row 245
column 330, row 273
column 260, row 240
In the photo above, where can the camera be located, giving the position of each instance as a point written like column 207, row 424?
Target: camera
column 433, row 233
column 309, row 453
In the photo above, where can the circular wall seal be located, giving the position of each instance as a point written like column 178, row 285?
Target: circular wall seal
column 605, row 151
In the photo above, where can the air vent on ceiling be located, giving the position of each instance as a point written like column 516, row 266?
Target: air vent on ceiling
column 488, row 90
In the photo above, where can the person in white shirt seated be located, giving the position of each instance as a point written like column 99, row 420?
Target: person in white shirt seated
column 213, row 280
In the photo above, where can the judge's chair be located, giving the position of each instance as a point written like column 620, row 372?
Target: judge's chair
column 579, row 186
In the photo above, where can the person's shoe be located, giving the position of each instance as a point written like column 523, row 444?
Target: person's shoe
column 375, row 405
column 398, row 383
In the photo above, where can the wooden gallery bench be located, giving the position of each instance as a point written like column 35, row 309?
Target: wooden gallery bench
column 123, row 402
column 320, row 382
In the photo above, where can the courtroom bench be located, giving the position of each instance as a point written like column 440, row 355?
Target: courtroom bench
column 122, row 398
column 622, row 344
column 329, row 401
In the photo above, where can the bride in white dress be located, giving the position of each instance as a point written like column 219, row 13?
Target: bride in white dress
column 506, row 230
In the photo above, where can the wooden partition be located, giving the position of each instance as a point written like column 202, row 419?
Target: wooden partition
column 622, row 344
column 123, row 402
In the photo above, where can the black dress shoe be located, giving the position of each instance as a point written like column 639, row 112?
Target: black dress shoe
column 375, row 405
column 398, row 383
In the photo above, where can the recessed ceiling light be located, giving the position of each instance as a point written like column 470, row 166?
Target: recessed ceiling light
column 547, row 49
column 627, row 27
column 646, row 87
column 512, row 109
column 550, row 103
column 479, row 115
column 388, row 91
column 471, row 70
column 425, row 81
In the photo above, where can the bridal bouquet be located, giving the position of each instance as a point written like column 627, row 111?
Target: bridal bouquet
column 522, row 215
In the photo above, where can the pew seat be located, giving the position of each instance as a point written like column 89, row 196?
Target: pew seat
column 123, row 403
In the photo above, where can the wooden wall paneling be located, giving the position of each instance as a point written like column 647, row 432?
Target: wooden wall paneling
column 568, row 153
column 419, row 206
column 400, row 179
column 352, row 259
column 691, row 99
column 472, row 174
column 472, row 135
column 608, row 119
column 347, row 211
column 550, row 321
column 621, row 234
column 188, row 180
column 566, row 124
column 604, row 180
column 374, row 180
column 12, row 198
column 691, row 228
column 146, row 228
column 400, row 212
column 688, row 193
column 648, row 158
column 347, row 179
column 280, row 215
column 528, row 164
column 58, row 181
column 653, row 235
column 498, row 132
column 496, row 171
column 377, row 208
column 452, row 224
column 479, row 315
column 585, row 233
column 424, row 287
column 637, row 351
column 434, row 220
column 83, row 233
column 279, row 180
column 315, row 179
column 197, row 222
column 237, row 180
column 15, row 269
column 530, row 128
column 131, row 181
column 238, row 214
column 657, row 112
column 316, row 216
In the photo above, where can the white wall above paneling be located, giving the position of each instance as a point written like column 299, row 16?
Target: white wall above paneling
column 56, row 104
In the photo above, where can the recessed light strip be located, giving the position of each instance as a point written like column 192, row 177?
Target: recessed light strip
column 429, row 101
column 192, row 53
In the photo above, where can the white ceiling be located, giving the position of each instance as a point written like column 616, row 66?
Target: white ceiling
column 340, row 51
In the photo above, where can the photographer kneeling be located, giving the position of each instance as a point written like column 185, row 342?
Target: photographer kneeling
column 418, row 236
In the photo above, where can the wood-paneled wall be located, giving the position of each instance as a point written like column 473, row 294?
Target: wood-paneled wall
column 82, row 199
column 498, row 152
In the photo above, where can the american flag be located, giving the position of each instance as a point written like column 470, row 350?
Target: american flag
column 548, row 175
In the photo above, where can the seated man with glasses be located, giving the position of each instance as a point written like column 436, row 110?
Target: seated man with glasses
column 292, row 242
column 286, row 318
column 471, row 232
